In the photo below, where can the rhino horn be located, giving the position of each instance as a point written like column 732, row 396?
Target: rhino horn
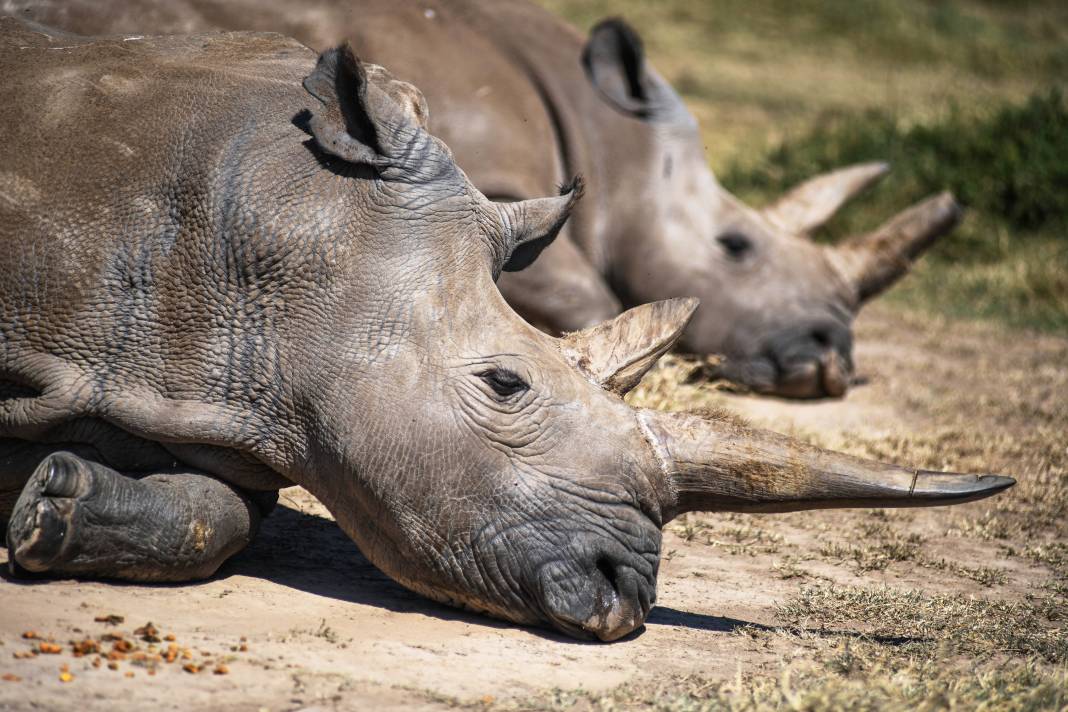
column 723, row 466
column 531, row 225
column 811, row 204
column 617, row 353
column 874, row 261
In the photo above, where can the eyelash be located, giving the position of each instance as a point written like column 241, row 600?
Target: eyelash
column 504, row 383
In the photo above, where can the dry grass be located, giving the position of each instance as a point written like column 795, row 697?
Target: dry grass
column 855, row 676
column 987, row 629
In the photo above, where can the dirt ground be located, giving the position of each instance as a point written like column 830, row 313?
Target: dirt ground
column 324, row 630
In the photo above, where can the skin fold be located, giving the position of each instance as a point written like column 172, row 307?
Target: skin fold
column 227, row 267
column 525, row 102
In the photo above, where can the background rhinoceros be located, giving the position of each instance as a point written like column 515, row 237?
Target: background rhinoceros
column 524, row 102
column 216, row 283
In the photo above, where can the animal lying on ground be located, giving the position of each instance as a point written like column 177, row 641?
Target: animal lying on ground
column 524, row 102
column 216, row 282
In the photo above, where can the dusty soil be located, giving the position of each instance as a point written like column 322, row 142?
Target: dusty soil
column 324, row 630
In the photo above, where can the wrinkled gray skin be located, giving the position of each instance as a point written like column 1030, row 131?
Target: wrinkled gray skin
column 216, row 282
column 525, row 103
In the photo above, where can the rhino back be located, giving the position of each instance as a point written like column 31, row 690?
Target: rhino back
column 503, row 79
column 127, row 161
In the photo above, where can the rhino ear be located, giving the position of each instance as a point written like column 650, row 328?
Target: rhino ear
column 367, row 117
column 614, row 59
column 617, row 353
column 531, row 225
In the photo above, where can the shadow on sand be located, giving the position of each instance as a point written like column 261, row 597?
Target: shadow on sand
column 310, row 553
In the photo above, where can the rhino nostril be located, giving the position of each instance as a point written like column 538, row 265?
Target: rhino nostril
column 822, row 337
column 608, row 570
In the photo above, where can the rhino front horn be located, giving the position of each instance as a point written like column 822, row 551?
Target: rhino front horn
column 719, row 466
column 875, row 261
column 617, row 353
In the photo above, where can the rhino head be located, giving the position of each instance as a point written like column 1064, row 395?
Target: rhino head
column 777, row 305
column 491, row 466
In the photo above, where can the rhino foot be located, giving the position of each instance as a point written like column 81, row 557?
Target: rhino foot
column 44, row 515
column 76, row 517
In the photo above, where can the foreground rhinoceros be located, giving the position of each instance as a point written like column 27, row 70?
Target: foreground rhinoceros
column 216, row 283
column 524, row 102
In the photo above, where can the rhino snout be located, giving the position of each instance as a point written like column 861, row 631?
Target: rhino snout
column 813, row 359
column 607, row 597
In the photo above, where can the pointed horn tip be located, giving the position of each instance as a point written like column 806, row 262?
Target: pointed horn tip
column 874, row 169
column 948, row 202
column 944, row 212
column 953, row 488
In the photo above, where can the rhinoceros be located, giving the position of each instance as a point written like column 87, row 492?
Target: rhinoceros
column 509, row 82
column 227, row 268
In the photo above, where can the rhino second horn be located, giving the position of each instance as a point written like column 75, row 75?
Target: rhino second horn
column 875, row 261
column 722, row 466
column 617, row 353
column 811, row 204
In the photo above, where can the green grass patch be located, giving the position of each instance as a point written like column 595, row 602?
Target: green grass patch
column 1008, row 260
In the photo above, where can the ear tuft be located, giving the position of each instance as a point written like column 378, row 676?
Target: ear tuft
column 575, row 188
column 532, row 225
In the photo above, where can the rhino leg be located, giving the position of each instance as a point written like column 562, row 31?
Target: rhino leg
column 76, row 517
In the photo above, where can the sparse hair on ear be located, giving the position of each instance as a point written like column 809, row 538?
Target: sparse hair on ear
column 532, row 225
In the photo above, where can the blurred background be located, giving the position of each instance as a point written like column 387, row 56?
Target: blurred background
column 965, row 95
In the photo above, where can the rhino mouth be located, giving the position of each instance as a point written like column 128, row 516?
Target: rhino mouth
column 605, row 604
column 827, row 375
column 811, row 361
column 595, row 581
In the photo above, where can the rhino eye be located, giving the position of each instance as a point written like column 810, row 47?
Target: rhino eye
column 504, row 383
column 736, row 244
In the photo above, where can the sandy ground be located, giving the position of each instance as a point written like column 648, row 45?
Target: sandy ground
column 324, row 630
